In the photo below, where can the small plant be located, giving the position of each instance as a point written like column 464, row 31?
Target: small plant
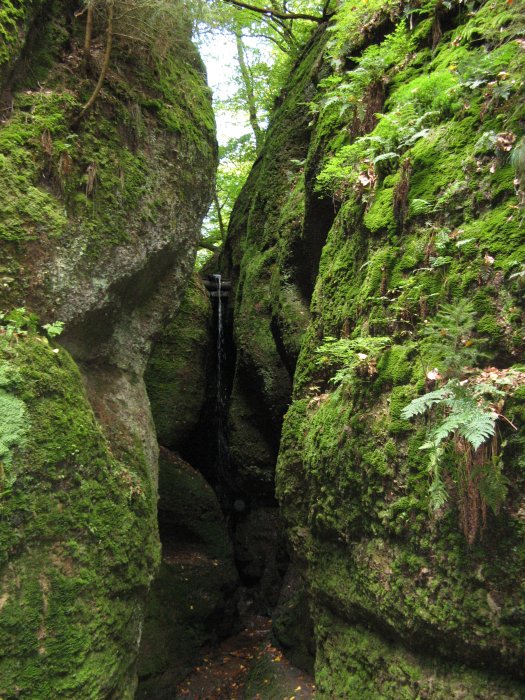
column 18, row 322
column 449, row 339
column 348, row 356
column 54, row 329
column 463, row 418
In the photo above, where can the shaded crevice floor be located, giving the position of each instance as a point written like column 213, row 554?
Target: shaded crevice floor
column 246, row 666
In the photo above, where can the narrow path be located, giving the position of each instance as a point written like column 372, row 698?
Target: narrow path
column 246, row 667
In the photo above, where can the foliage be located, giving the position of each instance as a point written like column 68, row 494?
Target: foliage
column 18, row 322
column 266, row 50
column 463, row 415
column 235, row 162
column 350, row 21
column 347, row 90
column 465, row 410
column 54, row 329
column 21, row 322
column 449, row 340
column 350, row 356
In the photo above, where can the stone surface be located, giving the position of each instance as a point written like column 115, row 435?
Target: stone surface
column 99, row 221
column 191, row 601
column 395, row 217
column 176, row 372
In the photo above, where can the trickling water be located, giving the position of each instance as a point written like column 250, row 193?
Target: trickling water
column 220, row 406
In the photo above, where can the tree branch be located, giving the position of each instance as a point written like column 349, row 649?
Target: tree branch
column 89, row 32
column 326, row 7
column 250, row 96
column 275, row 13
column 208, row 246
column 105, row 66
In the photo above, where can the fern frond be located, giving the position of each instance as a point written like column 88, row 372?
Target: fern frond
column 493, row 486
column 385, row 156
column 478, row 427
column 447, row 427
column 438, row 493
column 421, row 404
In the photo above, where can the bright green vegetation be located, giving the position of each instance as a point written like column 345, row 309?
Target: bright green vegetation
column 414, row 146
column 77, row 552
column 11, row 15
column 110, row 201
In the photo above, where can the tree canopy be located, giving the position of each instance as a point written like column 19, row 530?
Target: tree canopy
column 268, row 37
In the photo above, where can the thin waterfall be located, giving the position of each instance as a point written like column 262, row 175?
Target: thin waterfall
column 220, row 405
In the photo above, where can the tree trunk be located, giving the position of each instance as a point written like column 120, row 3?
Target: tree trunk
column 222, row 228
column 105, row 65
column 89, row 32
column 250, row 96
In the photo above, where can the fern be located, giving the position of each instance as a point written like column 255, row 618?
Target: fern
column 477, row 427
column 419, row 206
column 473, row 421
column 346, row 354
column 422, row 404
column 449, row 338
column 492, row 484
column 462, row 417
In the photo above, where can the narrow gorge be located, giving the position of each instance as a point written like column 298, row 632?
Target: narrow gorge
column 311, row 448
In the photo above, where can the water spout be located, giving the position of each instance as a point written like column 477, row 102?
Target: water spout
column 220, row 405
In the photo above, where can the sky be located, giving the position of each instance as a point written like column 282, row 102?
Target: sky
column 219, row 56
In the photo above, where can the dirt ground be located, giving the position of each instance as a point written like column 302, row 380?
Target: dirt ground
column 246, row 667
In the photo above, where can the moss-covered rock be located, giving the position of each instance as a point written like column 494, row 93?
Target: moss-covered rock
column 411, row 142
column 99, row 220
column 176, row 372
column 271, row 253
column 78, row 538
column 355, row 662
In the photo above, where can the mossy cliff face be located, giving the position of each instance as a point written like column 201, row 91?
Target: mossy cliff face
column 265, row 255
column 191, row 601
column 426, row 211
column 98, row 226
column 176, row 371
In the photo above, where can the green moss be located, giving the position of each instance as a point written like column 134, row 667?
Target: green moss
column 380, row 216
column 77, row 541
column 11, row 14
column 397, row 364
column 186, row 107
column 176, row 372
column 377, row 669
column 13, row 424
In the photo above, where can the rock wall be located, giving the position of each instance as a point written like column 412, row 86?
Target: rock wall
column 99, row 221
column 393, row 196
column 192, row 599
